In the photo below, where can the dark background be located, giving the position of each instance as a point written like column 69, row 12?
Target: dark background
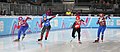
column 51, row 0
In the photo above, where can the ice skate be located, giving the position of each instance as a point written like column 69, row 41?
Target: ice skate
column 45, row 38
column 23, row 37
column 102, row 38
column 39, row 39
column 96, row 41
column 16, row 40
column 79, row 42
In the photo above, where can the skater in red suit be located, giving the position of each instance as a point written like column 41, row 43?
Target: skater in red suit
column 76, row 27
column 102, row 26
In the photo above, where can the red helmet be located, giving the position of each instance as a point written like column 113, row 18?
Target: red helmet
column 20, row 18
column 77, row 17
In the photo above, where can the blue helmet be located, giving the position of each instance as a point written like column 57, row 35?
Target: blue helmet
column 44, row 15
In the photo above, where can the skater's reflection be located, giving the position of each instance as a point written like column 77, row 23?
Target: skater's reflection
column 44, row 44
column 21, row 46
column 41, row 44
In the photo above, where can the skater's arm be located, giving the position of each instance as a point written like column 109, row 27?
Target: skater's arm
column 83, row 22
column 107, row 17
column 97, row 22
column 27, row 19
column 73, row 25
column 41, row 24
column 18, row 27
column 53, row 16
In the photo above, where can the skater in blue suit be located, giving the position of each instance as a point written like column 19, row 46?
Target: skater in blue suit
column 22, row 26
column 102, row 26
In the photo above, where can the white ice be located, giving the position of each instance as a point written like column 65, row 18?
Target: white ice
column 59, row 41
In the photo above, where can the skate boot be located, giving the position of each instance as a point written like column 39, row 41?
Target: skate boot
column 16, row 40
column 102, row 38
column 96, row 41
column 23, row 37
column 39, row 39
column 73, row 36
column 46, row 34
column 79, row 42
column 45, row 38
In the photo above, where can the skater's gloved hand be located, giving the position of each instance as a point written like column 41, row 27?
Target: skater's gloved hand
column 97, row 22
column 57, row 15
column 31, row 18
column 18, row 27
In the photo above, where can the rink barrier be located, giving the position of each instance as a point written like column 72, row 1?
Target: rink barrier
column 8, row 23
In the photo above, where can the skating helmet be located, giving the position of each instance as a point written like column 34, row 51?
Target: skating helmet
column 20, row 18
column 44, row 15
column 77, row 17
column 101, row 14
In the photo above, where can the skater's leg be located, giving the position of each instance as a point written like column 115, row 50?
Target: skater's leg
column 19, row 33
column 73, row 32
column 102, row 37
column 78, row 31
column 24, row 30
column 48, row 29
column 103, row 29
column 98, row 35
column 99, row 30
column 42, row 32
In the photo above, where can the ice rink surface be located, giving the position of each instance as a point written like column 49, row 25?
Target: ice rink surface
column 59, row 41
